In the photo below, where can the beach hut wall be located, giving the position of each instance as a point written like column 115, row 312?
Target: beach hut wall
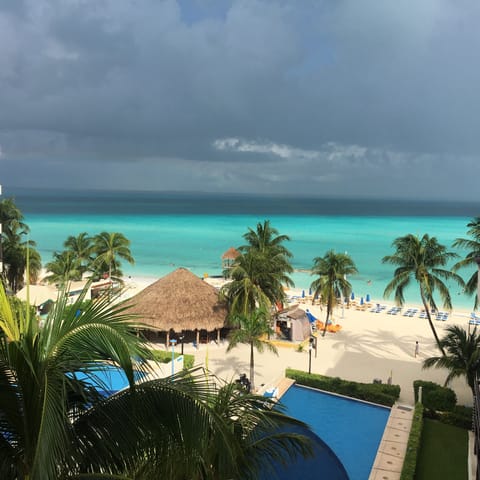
column 179, row 301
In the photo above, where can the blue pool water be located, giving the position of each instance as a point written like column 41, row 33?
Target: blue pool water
column 352, row 429
column 107, row 381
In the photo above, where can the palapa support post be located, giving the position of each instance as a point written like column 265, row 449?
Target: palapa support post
column 198, row 338
column 168, row 339
column 218, row 336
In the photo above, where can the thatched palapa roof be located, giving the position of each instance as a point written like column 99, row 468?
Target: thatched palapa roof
column 179, row 301
column 230, row 254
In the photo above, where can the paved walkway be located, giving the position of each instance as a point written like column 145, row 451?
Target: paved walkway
column 393, row 446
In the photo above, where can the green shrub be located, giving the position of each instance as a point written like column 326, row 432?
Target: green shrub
column 382, row 394
column 413, row 445
column 435, row 397
column 163, row 356
column 460, row 417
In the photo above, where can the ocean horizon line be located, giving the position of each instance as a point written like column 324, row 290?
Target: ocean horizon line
column 196, row 202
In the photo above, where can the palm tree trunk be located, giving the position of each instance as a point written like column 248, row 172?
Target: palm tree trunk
column 329, row 311
column 429, row 317
column 252, row 368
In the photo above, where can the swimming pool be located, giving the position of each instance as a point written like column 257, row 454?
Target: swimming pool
column 352, row 429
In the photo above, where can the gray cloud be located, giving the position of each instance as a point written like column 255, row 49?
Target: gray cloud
column 359, row 98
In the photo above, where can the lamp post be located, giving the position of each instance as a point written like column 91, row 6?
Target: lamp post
column 310, row 346
column 173, row 343
column 182, row 336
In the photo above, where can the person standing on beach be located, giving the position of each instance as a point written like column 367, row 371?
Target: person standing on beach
column 417, row 347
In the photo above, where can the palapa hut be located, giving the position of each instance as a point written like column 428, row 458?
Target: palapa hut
column 228, row 258
column 183, row 303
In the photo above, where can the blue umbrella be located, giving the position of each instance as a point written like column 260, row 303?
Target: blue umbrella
column 309, row 291
column 303, row 293
column 310, row 316
column 352, row 296
column 367, row 298
column 361, row 301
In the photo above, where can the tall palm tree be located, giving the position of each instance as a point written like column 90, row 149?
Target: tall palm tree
column 260, row 272
column 462, row 357
column 473, row 245
column 251, row 330
column 420, row 260
column 11, row 218
column 53, row 424
column 109, row 248
column 64, row 267
column 81, row 246
column 332, row 270
column 253, row 283
column 14, row 246
column 264, row 238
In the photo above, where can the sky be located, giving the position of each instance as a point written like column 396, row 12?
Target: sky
column 351, row 98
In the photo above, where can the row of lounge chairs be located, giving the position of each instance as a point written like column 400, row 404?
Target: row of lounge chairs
column 474, row 319
column 378, row 309
column 394, row 310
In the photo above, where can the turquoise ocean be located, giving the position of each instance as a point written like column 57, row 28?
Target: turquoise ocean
column 193, row 230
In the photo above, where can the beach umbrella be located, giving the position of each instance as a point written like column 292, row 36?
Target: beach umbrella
column 310, row 316
column 303, row 293
column 352, row 296
column 367, row 298
column 361, row 301
column 310, row 291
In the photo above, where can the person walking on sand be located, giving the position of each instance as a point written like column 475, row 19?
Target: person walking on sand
column 417, row 347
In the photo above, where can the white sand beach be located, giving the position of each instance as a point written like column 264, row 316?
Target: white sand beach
column 369, row 346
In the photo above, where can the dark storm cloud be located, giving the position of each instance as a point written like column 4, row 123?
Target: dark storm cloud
column 209, row 94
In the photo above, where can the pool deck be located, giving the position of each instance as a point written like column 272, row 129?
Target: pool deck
column 393, row 446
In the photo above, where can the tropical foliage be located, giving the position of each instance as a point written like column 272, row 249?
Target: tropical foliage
column 421, row 260
column 53, row 424
column 16, row 246
column 332, row 283
column 473, row 245
column 252, row 329
column 97, row 256
column 260, row 272
column 462, row 355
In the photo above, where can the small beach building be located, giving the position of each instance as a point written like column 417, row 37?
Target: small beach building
column 181, row 305
column 292, row 324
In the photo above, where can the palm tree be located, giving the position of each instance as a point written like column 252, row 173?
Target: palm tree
column 462, row 358
column 64, row 267
column 109, row 248
column 81, row 246
column 260, row 272
column 14, row 246
column 251, row 330
column 11, row 218
column 470, row 259
column 264, row 238
column 332, row 270
column 420, row 259
column 251, row 284
column 55, row 425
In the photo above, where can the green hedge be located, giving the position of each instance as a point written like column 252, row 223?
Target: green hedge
column 461, row 417
column 435, row 397
column 382, row 394
column 413, row 445
column 165, row 357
